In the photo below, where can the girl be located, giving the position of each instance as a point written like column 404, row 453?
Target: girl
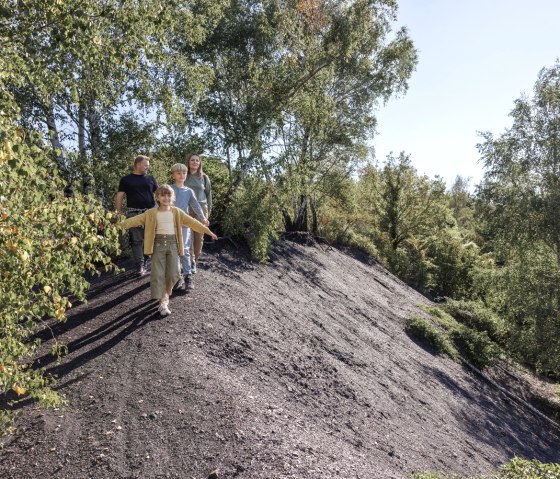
column 163, row 239
column 200, row 184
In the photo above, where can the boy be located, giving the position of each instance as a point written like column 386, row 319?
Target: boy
column 184, row 197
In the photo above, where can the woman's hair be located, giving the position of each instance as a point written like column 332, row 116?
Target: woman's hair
column 198, row 172
column 166, row 190
column 179, row 167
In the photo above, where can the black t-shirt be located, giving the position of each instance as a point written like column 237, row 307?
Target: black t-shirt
column 139, row 190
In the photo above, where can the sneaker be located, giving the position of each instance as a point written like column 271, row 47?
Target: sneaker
column 164, row 310
column 141, row 271
column 193, row 267
column 188, row 282
column 180, row 284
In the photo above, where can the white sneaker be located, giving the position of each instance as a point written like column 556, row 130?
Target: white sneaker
column 164, row 310
column 181, row 283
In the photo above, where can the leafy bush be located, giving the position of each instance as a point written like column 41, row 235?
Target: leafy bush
column 476, row 346
column 47, row 243
column 441, row 317
column 253, row 215
column 475, row 315
column 519, row 468
column 409, row 263
column 427, row 333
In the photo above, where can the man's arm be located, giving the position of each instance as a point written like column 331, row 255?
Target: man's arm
column 118, row 201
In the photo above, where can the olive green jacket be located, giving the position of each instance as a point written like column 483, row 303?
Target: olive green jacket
column 148, row 219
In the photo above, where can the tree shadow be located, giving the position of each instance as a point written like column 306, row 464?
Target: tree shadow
column 109, row 335
column 501, row 422
column 85, row 314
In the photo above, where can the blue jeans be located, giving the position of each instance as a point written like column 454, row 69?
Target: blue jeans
column 185, row 260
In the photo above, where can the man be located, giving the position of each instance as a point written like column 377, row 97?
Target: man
column 139, row 188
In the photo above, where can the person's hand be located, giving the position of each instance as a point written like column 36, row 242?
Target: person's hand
column 206, row 222
column 213, row 236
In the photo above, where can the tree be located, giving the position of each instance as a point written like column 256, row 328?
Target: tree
column 518, row 204
column 82, row 64
column 295, row 86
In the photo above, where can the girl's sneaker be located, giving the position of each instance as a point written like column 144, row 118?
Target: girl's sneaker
column 164, row 310
column 193, row 267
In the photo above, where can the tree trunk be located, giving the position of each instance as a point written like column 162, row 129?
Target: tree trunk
column 58, row 148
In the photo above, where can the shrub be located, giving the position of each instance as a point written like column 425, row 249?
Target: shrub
column 475, row 315
column 253, row 214
column 47, row 244
column 519, row 468
column 441, row 317
column 430, row 335
column 476, row 346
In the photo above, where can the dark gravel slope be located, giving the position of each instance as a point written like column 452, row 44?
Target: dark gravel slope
column 296, row 369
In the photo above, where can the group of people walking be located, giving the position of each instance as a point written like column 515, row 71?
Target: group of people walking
column 161, row 224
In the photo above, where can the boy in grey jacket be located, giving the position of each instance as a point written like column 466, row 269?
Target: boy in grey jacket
column 185, row 197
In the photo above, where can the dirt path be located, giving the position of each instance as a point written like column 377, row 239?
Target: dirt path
column 296, row 369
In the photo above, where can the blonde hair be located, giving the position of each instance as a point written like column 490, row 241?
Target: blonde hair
column 179, row 167
column 165, row 190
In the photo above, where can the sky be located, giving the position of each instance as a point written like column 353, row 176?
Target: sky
column 475, row 58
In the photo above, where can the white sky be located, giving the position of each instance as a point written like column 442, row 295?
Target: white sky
column 476, row 57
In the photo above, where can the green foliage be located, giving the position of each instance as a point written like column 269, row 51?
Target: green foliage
column 410, row 264
column 517, row 210
column 452, row 262
column 475, row 346
column 427, row 333
column 47, row 244
column 444, row 319
column 519, row 468
column 253, row 214
column 218, row 173
column 477, row 316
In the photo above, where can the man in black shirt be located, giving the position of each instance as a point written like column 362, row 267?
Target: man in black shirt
column 139, row 188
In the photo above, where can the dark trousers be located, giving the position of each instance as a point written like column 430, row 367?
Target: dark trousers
column 136, row 239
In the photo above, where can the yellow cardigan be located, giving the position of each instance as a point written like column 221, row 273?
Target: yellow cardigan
column 148, row 219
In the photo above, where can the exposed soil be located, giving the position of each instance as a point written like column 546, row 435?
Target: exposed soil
column 296, row 369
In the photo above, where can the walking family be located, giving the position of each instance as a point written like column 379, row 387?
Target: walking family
column 163, row 230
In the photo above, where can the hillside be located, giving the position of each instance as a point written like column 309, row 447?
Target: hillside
column 295, row 369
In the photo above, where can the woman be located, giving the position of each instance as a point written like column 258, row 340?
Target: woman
column 200, row 184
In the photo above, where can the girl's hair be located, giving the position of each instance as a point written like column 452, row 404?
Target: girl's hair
column 165, row 190
column 179, row 167
column 198, row 172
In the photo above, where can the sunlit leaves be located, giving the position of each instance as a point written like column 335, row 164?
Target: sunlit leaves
column 47, row 242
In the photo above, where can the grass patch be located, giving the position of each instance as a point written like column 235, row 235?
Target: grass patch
column 427, row 333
